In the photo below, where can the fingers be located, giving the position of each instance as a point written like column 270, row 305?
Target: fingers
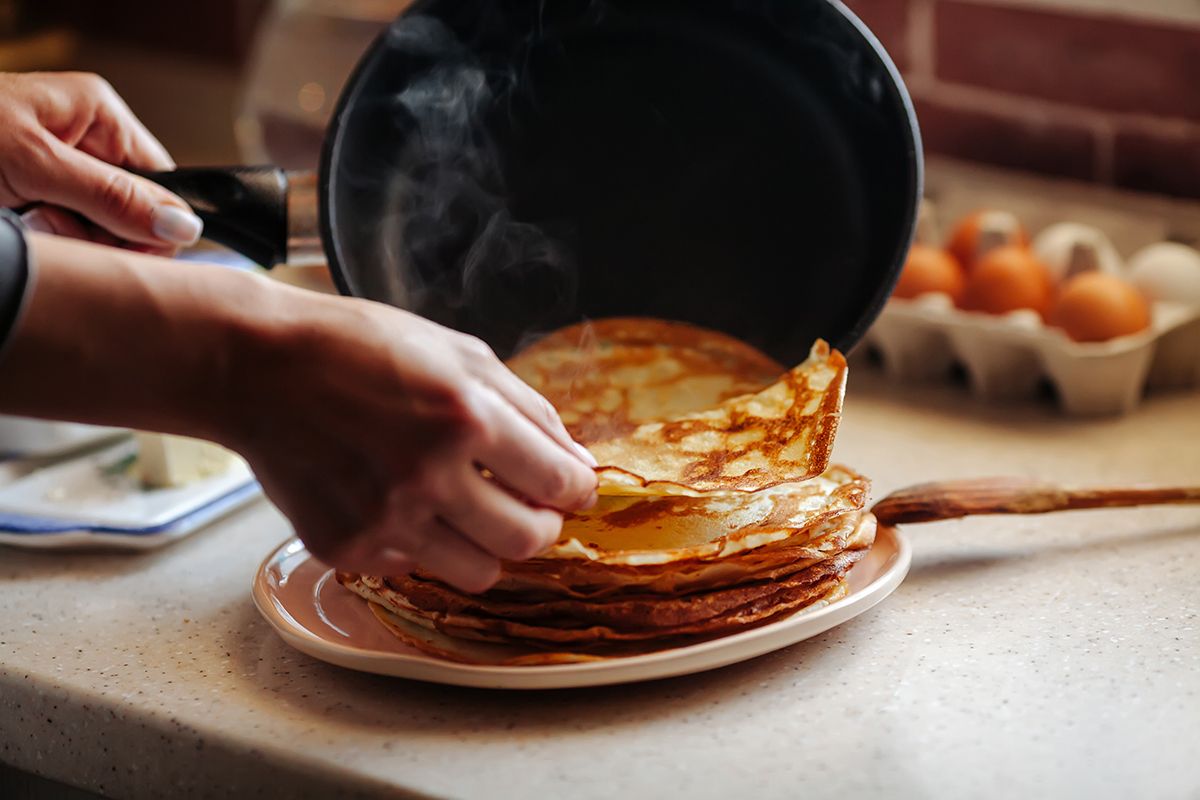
column 537, row 410
column 83, row 110
column 119, row 137
column 444, row 552
column 128, row 206
column 525, row 459
column 387, row 563
column 462, row 546
column 499, row 523
column 532, row 405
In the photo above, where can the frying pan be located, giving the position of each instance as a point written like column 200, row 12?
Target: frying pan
column 510, row 167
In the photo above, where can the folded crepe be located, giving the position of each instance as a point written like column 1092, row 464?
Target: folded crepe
column 609, row 376
column 781, row 434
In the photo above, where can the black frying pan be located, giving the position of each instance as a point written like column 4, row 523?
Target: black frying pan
column 509, row 167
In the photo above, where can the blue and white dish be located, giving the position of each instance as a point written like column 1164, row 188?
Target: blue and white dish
column 98, row 501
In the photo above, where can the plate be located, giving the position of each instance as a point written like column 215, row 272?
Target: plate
column 22, row 437
column 300, row 598
column 94, row 501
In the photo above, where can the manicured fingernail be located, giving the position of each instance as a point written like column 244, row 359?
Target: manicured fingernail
column 587, row 457
column 174, row 225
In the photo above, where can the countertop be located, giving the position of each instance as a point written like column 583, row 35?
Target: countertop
column 1050, row 656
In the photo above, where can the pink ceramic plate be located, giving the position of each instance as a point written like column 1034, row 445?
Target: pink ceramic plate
column 312, row 612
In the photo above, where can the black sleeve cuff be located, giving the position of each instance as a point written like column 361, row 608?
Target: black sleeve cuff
column 14, row 271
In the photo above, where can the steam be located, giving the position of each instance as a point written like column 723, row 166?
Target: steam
column 457, row 251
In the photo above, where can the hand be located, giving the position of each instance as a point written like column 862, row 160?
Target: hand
column 390, row 441
column 67, row 138
column 370, row 428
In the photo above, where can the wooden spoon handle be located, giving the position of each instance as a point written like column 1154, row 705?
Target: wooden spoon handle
column 953, row 499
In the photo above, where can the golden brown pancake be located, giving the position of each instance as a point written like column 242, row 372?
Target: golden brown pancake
column 634, row 617
column 611, row 626
column 607, row 377
column 541, row 579
column 452, row 648
column 470, row 651
column 781, row 434
column 642, row 530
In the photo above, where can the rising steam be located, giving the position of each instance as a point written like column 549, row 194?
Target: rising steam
column 455, row 248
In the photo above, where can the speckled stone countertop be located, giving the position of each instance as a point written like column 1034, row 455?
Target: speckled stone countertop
column 1051, row 656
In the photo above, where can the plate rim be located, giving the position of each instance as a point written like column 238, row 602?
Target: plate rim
column 588, row 673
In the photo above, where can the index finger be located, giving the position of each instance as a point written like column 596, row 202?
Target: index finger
column 534, row 407
column 145, row 151
column 524, row 458
column 120, row 138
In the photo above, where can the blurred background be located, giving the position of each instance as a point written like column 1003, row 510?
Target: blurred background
column 1103, row 91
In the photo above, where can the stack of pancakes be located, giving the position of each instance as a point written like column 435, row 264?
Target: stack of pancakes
column 719, row 510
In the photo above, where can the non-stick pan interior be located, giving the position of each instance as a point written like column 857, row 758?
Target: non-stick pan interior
column 506, row 168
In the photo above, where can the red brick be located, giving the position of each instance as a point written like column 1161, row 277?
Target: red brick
column 888, row 20
column 1161, row 163
column 1100, row 62
column 1041, row 146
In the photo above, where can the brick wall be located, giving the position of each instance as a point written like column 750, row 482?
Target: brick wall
column 1103, row 92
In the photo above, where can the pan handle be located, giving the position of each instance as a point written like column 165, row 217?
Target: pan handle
column 243, row 208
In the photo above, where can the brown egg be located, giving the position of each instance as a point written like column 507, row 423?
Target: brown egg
column 929, row 269
column 1096, row 307
column 977, row 233
column 1006, row 279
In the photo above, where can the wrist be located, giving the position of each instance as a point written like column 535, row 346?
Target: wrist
column 117, row 338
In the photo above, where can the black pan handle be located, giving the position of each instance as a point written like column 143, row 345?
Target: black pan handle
column 243, row 208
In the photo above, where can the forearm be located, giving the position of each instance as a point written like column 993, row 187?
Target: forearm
column 115, row 338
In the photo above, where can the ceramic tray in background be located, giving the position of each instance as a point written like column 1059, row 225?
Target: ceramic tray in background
column 96, row 501
column 300, row 598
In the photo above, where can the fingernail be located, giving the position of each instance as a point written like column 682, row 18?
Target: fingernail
column 591, row 501
column 173, row 224
column 587, row 457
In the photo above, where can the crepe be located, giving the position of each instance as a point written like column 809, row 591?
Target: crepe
column 468, row 651
column 640, row 530
column 454, row 647
column 781, row 434
column 439, row 619
column 540, row 579
column 607, row 377
column 709, row 614
column 630, row 611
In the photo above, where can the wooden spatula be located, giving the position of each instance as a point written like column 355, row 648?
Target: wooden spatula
column 927, row 502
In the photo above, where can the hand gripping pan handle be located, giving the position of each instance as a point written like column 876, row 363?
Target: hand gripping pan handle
column 263, row 212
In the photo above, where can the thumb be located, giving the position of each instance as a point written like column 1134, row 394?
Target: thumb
column 127, row 205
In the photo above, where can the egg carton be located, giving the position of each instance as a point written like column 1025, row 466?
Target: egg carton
column 1007, row 357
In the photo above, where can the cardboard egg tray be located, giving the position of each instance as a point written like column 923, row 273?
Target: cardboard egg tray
column 1007, row 357
column 1010, row 357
